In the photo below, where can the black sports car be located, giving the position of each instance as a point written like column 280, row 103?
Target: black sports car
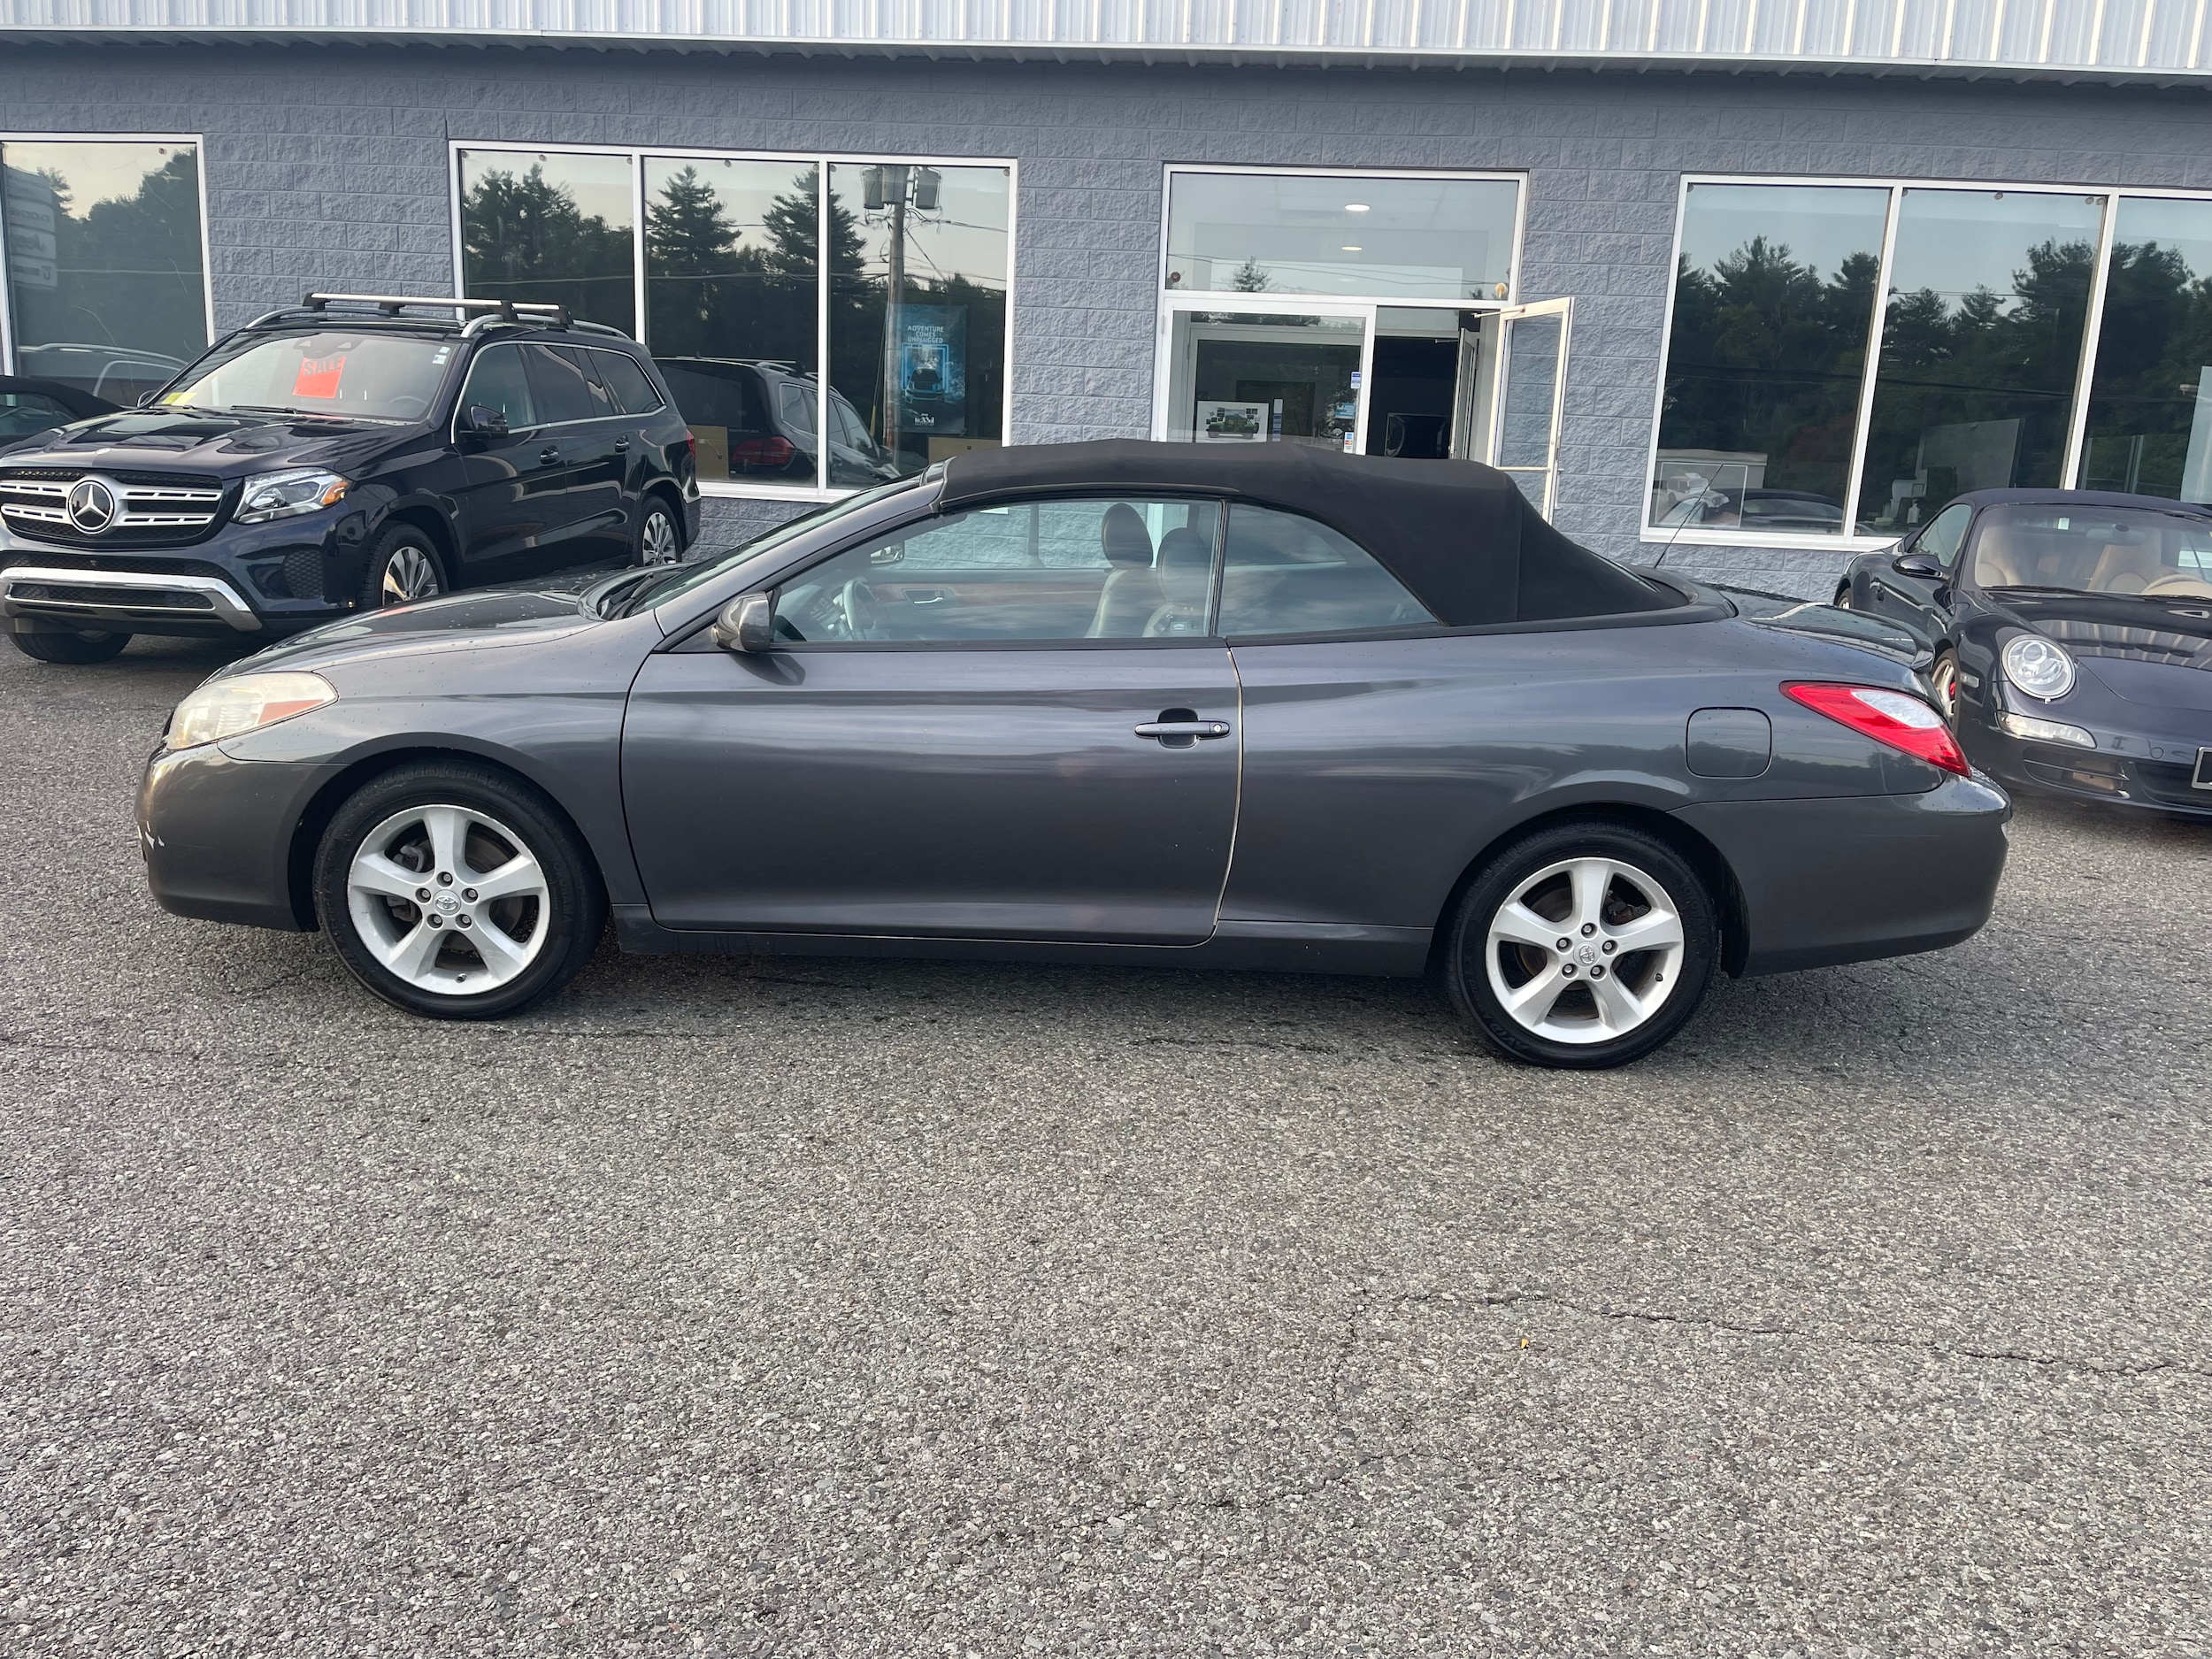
column 1129, row 702
column 2073, row 634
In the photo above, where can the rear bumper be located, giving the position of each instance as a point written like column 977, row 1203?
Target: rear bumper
column 1833, row 881
column 217, row 836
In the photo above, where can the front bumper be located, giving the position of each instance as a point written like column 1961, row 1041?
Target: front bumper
column 1850, row 879
column 131, row 601
column 2155, row 772
column 217, row 834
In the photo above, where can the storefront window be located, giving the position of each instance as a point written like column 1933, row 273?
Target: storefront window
column 919, row 258
column 105, row 286
column 1981, row 348
column 1408, row 238
column 1258, row 378
column 1773, row 303
column 2150, row 403
column 552, row 228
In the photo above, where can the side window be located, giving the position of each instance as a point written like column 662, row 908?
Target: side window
column 631, row 390
column 496, row 381
column 1945, row 531
column 1111, row 568
column 602, row 403
column 1288, row 575
column 797, row 403
column 557, row 385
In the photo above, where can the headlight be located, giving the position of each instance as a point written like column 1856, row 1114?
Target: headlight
column 245, row 703
column 2038, row 667
column 284, row 494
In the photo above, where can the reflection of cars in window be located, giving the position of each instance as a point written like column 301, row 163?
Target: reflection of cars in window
column 118, row 373
column 824, row 733
column 336, row 456
column 2073, row 636
column 1786, row 509
column 29, row 406
column 756, row 420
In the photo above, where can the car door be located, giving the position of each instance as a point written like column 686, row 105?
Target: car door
column 581, row 461
column 1916, row 600
column 1005, row 722
column 504, row 502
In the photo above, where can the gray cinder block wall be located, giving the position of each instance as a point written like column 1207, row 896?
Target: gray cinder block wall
column 327, row 167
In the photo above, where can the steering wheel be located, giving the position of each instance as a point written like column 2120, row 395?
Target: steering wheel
column 2190, row 587
column 400, row 407
column 861, row 611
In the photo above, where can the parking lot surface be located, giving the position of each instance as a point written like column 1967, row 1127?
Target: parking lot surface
column 843, row 1308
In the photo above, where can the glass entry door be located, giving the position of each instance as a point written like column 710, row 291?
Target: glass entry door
column 1269, row 376
column 1512, row 385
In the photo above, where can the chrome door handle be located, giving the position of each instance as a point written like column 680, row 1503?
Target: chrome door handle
column 621, row 444
column 1165, row 729
column 550, row 455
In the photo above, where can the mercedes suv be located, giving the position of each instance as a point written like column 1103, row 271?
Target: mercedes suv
column 344, row 453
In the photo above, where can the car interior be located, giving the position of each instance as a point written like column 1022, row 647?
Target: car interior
column 2121, row 554
column 1096, row 570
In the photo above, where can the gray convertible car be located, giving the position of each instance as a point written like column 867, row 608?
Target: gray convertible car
column 1268, row 708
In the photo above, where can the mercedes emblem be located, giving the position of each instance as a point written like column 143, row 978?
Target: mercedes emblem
column 92, row 504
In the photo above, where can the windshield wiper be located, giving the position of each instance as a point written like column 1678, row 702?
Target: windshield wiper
column 601, row 597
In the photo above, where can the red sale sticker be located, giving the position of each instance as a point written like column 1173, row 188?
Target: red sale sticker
column 318, row 376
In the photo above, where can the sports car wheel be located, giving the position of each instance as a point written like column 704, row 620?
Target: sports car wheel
column 456, row 892
column 1943, row 681
column 1583, row 945
column 1842, row 600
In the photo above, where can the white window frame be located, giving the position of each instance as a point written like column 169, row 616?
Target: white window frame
column 2084, row 371
column 635, row 154
column 1175, row 301
column 198, row 143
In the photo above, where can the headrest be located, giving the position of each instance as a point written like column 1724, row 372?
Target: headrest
column 1124, row 537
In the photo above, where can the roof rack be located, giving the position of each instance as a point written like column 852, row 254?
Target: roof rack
column 485, row 312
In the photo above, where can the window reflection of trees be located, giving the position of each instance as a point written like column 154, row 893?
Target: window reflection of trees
column 525, row 236
column 2153, row 351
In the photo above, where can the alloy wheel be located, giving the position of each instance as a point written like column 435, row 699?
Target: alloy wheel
column 409, row 574
column 1943, row 681
column 1585, row 950
column 448, row 899
column 656, row 540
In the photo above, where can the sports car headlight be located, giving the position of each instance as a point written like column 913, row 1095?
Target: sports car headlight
column 245, row 703
column 2042, row 669
column 285, row 495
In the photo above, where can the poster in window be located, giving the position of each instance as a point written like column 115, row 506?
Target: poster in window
column 934, row 369
column 1231, row 422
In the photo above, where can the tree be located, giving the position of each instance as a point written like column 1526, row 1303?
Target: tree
column 526, row 239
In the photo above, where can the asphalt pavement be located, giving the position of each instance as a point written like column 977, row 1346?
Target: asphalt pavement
column 841, row 1308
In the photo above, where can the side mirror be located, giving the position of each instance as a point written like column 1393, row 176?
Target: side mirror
column 481, row 422
column 1917, row 565
column 747, row 624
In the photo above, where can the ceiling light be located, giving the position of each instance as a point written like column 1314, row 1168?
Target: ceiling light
column 1351, row 246
column 1355, row 207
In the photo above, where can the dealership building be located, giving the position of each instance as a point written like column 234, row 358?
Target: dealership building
column 1733, row 285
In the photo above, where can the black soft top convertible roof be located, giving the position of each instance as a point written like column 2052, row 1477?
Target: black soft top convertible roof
column 1460, row 536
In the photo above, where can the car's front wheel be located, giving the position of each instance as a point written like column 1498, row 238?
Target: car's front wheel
column 1842, row 600
column 1583, row 945
column 1943, row 682
column 458, row 892
column 86, row 645
column 403, row 567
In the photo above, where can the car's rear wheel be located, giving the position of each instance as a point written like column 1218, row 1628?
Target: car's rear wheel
column 85, row 645
column 403, row 567
column 660, row 535
column 1584, row 945
column 458, row 892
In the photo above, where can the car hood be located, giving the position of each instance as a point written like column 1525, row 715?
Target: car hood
column 225, row 445
column 2147, row 650
column 483, row 617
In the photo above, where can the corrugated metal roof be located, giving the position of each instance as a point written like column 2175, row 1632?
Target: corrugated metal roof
column 2101, row 40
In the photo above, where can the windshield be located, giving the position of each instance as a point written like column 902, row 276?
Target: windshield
column 684, row 578
column 2119, row 550
column 361, row 376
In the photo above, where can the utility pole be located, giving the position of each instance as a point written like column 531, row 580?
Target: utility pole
column 894, row 300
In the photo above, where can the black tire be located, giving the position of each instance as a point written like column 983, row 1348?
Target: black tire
column 1646, row 862
column 1842, row 600
column 648, row 547
column 1943, row 685
column 572, row 912
column 87, row 646
column 401, row 562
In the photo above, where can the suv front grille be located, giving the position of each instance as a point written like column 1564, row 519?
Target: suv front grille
column 151, row 508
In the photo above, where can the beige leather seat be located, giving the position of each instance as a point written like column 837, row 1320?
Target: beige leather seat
column 2126, row 568
column 1999, row 561
column 1131, row 593
column 1185, row 572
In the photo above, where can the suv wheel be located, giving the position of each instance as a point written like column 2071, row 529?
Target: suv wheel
column 403, row 567
column 458, row 892
column 660, row 535
column 1582, row 946
column 86, row 646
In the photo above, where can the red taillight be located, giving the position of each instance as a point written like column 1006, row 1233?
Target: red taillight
column 770, row 452
column 1895, row 717
column 691, row 444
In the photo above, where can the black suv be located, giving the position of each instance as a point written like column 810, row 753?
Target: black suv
column 347, row 453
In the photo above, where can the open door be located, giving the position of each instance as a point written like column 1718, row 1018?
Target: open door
column 1512, row 385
